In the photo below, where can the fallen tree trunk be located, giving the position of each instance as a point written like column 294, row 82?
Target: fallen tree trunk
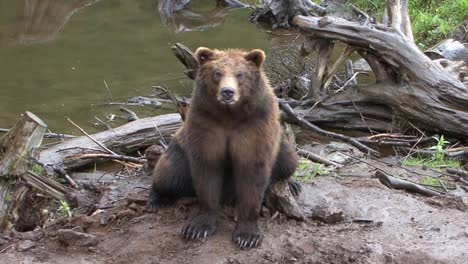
column 414, row 87
column 125, row 139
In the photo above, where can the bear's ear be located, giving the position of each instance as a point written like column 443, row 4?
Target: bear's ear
column 256, row 56
column 203, row 55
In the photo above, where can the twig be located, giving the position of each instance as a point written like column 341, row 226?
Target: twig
column 60, row 171
column 462, row 173
column 108, row 156
column 365, row 162
column 430, row 153
column 160, row 135
column 109, row 95
column 46, row 135
column 316, row 158
column 458, row 178
column 6, row 248
column 333, row 135
column 361, row 13
column 394, row 183
column 333, row 93
column 90, row 137
column 103, row 123
column 362, row 117
column 442, row 184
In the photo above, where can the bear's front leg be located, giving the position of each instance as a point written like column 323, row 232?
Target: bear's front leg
column 207, row 181
column 251, row 181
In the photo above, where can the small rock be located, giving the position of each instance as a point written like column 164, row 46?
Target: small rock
column 328, row 217
column 3, row 241
column 280, row 198
column 127, row 213
column 25, row 245
column 70, row 237
column 327, row 212
column 137, row 208
column 30, row 235
column 136, row 198
column 83, row 221
column 78, row 229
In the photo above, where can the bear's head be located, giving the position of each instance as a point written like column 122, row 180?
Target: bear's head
column 230, row 76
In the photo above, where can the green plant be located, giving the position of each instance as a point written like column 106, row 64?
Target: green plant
column 38, row 169
column 432, row 20
column 439, row 148
column 65, row 209
column 307, row 170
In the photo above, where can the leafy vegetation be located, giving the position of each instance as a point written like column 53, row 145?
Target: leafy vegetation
column 38, row 169
column 432, row 20
column 65, row 209
column 437, row 161
column 307, row 170
column 430, row 181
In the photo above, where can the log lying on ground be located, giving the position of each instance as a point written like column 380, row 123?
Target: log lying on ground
column 415, row 88
column 394, row 183
column 125, row 139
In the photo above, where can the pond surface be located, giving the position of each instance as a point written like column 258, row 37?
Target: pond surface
column 56, row 54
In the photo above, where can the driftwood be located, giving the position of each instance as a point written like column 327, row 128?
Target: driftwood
column 315, row 158
column 125, row 139
column 394, row 183
column 301, row 121
column 187, row 58
column 280, row 12
column 413, row 87
column 409, row 87
column 46, row 135
column 173, row 13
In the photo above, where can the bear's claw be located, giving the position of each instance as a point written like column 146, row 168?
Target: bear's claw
column 200, row 227
column 294, row 187
column 247, row 237
column 153, row 201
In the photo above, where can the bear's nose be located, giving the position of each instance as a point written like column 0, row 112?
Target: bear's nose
column 227, row 93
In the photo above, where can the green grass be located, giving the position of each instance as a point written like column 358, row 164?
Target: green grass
column 436, row 164
column 307, row 170
column 430, row 181
column 432, row 20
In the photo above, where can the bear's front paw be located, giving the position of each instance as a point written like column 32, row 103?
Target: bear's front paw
column 247, row 235
column 295, row 187
column 153, row 201
column 199, row 227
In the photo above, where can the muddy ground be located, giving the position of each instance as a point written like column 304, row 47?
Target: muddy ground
column 349, row 219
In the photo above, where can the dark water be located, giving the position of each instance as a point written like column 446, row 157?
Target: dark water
column 56, row 54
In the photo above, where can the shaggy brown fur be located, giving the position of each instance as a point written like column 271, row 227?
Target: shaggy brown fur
column 230, row 148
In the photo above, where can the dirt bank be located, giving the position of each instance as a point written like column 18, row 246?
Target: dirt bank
column 368, row 223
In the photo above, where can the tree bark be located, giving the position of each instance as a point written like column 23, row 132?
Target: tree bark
column 125, row 139
column 17, row 148
column 415, row 88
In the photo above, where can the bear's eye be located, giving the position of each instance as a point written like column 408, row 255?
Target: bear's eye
column 217, row 75
column 239, row 76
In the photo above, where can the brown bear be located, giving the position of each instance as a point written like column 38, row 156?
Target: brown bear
column 231, row 147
